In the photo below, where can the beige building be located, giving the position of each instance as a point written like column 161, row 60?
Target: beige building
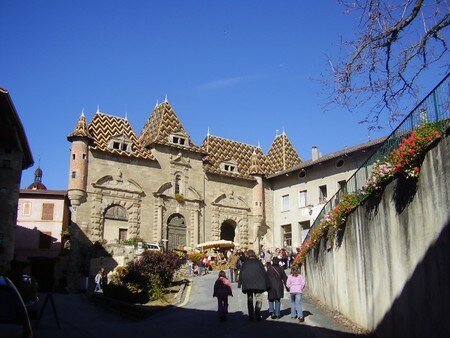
column 300, row 192
column 159, row 186
column 15, row 156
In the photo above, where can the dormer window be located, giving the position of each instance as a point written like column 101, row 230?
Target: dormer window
column 179, row 140
column 121, row 143
column 229, row 166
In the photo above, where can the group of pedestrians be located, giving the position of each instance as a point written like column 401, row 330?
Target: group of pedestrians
column 255, row 279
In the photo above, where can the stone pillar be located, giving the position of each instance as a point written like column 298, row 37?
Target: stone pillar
column 159, row 225
column 196, row 226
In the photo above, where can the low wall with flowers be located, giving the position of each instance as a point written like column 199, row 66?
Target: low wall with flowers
column 386, row 264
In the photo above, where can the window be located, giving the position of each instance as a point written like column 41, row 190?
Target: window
column 73, row 156
column 322, row 194
column 47, row 211
column 305, row 225
column 287, row 235
column 118, row 144
column 74, row 174
column 177, row 184
column 122, row 235
column 339, row 163
column 84, row 156
column 26, row 209
column 302, row 173
column 229, row 166
column 45, row 240
column 342, row 186
column 302, row 199
column 285, row 203
column 178, row 140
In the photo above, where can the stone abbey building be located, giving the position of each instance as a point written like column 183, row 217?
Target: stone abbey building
column 158, row 185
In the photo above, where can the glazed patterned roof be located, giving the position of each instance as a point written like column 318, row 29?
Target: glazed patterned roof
column 163, row 122
column 282, row 154
column 104, row 127
column 81, row 129
column 222, row 150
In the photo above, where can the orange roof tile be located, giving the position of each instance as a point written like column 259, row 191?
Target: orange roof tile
column 282, row 154
column 163, row 122
column 222, row 150
column 103, row 127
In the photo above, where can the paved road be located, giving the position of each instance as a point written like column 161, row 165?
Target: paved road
column 197, row 318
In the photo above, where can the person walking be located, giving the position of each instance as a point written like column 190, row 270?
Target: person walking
column 296, row 283
column 98, row 280
column 222, row 289
column 253, row 280
column 233, row 265
column 277, row 280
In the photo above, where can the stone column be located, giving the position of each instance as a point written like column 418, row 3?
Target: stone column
column 159, row 225
column 196, row 227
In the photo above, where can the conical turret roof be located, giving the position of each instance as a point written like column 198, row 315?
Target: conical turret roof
column 81, row 129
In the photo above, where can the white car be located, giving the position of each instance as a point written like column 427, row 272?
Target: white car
column 153, row 246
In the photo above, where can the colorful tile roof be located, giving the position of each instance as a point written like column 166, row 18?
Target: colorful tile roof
column 163, row 122
column 103, row 127
column 220, row 150
column 81, row 130
column 282, row 154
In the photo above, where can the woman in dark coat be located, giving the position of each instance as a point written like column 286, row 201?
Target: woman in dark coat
column 277, row 281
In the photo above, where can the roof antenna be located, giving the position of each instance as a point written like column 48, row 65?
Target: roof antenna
column 259, row 144
column 165, row 99
column 208, row 133
column 126, row 116
column 156, row 105
column 98, row 108
column 82, row 112
column 284, row 133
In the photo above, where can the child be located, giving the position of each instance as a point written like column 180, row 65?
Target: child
column 295, row 284
column 222, row 289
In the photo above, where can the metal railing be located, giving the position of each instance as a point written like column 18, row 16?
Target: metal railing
column 433, row 108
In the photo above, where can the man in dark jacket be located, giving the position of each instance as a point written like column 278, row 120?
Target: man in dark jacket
column 253, row 280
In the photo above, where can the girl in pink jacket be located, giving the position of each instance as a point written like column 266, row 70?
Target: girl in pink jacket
column 295, row 284
column 222, row 289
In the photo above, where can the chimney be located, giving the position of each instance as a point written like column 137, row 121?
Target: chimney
column 314, row 153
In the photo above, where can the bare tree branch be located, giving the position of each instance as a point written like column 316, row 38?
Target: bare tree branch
column 397, row 42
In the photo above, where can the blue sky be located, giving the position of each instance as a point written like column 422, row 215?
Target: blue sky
column 243, row 69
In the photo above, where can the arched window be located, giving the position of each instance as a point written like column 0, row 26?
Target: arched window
column 177, row 184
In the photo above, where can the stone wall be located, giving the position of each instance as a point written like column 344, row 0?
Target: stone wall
column 390, row 270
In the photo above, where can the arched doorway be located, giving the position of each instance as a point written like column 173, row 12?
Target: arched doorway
column 115, row 226
column 228, row 230
column 176, row 232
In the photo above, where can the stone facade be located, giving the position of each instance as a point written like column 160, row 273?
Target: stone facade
column 15, row 156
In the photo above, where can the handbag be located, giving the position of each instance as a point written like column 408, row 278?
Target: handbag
column 280, row 278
